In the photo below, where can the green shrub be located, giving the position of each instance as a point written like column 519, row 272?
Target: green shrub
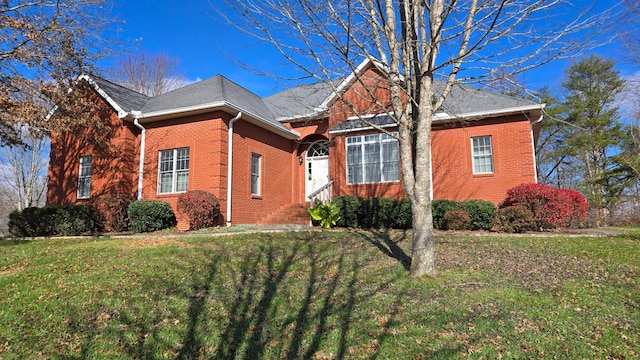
column 150, row 215
column 349, row 207
column 201, row 207
column 481, row 212
column 514, row 219
column 75, row 220
column 401, row 216
column 456, row 219
column 53, row 220
column 111, row 211
column 378, row 213
column 439, row 208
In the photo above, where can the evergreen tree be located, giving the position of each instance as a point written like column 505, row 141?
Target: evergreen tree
column 593, row 135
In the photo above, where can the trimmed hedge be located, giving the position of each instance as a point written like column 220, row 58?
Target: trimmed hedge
column 388, row 213
column 480, row 212
column 150, row 215
column 53, row 220
column 376, row 213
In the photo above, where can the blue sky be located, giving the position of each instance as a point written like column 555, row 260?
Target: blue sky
column 190, row 31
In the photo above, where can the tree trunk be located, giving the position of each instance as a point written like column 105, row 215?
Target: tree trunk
column 423, row 253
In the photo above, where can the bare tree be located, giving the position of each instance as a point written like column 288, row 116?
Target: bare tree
column 44, row 46
column 415, row 43
column 24, row 169
column 148, row 74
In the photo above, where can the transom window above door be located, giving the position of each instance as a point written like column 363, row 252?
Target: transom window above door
column 318, row 148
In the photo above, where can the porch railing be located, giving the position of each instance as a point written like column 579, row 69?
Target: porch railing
column 323, row 194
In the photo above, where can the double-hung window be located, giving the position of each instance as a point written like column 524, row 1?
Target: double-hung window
column 372, row 159
column 255, row 174
column 84, row 177
column 482, row 154
column 173, row 172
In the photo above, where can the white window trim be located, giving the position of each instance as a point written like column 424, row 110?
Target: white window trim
column 362, row 144
column 258, row 175
column 474, row 157
column 174, row 172
column 82, row 176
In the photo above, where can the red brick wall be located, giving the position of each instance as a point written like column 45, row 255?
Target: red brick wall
column 279, row 185
column 453, row 176
column 206, row 135
column 114, row 162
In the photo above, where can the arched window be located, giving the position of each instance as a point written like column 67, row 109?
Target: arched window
column 318, row 148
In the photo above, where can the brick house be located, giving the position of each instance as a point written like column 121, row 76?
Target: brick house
column 268, row 155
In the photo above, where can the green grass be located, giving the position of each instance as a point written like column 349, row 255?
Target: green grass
column 319, row 295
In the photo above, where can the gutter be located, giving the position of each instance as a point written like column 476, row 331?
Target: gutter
column 230, row 165
column 142, row 143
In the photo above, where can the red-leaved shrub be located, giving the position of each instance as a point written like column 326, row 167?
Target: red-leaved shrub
column 111, row 211
column 551, row 207
column 201, row 207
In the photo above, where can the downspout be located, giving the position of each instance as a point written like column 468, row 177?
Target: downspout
column 230, row 165
column 141, row 165
column 533, row 147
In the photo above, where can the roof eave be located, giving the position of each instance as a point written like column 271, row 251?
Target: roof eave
column 491, row 113
column 442, row 117
column 219, row 105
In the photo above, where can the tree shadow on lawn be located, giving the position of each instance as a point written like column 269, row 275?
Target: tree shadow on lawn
column 388, row 246
column 275, row 301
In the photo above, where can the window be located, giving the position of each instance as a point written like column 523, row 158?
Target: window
column 255, row 174
column 84, row 177
column 372, row 159
column 482, row 155
column 173, row 173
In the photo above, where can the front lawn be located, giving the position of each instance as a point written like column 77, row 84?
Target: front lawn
column 320, row 295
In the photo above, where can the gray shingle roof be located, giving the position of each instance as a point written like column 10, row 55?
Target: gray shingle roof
column 301, row 101
column 216, row 91
column 126, row 99
column 462, row 101
column 296, row 103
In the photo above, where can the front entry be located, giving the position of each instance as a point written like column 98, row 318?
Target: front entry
column 317, row 166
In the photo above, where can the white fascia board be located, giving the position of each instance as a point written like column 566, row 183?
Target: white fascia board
column 346, row 82
column 222, row 105
column 489, row 113
column 317, row 114
column 121, row 112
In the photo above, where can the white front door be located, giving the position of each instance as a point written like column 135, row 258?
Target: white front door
column 317, row 173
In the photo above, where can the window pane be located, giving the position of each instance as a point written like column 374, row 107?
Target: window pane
column 390, row 161
column 255, row 174
column 374, row 159
column 173, row 171
column 84, row 187
column 354, row 164
column 372, row 163
column 84, row 177
column 166, row 180
column 183, row 159
column 482, row 155
column 182, row 181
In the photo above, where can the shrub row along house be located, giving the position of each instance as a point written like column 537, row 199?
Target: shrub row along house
column 264, row 157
